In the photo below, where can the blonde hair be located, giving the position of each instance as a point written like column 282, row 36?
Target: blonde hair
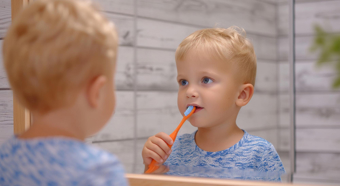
column 54, row 48
column 229, row 44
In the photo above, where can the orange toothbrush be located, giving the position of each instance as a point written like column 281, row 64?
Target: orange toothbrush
column 190, row 110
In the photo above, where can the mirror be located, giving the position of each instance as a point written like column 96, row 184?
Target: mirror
column 150, row 32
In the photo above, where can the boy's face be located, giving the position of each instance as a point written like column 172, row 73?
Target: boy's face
column 209, row 84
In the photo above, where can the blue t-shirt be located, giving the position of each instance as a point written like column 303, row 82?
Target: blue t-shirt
column 57, row 161
column 252, row 158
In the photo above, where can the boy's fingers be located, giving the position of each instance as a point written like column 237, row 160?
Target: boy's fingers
column 165, row 137
column 158, row 150
column 162, row 145
column 155, row 156
column 147, row 161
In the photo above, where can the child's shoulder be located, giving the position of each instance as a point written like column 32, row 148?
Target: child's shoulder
column 257, row 143
column 60, row 159
column 58, row 147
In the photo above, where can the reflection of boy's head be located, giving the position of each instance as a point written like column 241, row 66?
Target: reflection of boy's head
column 54, row 48
column 216, row 71
column 228, row 45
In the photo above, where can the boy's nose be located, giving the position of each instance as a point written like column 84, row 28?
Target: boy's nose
column 192, row 92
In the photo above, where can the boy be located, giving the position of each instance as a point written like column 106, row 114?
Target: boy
column 216, row 74
column 60, row 58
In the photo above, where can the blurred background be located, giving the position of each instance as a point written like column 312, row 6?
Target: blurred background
column 149, row 33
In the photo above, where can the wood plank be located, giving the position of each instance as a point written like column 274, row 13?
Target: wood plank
column 318, row 109
column 322, row 166
column 121, row 124
column 158, row 112
column 284, row 110
column 309, row 14
column 157, row 34
column 284, row 76
column 254, row 16
column 6, row 108
column 283, row 19
column 284, row 156
column 116, row 6
column 283, row 48
column 261, row 112
column 3, row 76
column 6, row 115
column 284, row 139
column 310, row 78
column 302, row 49
column 139, row 159
column 123, row 150
column 323, row 13
column 160, row 34
column 266, row 77
column 124, row 70
column 125, row 28
column 6, row 131
column 157, row 71
column 313, row 180
column 5, row 16
column 318, row 140
column 275, row 1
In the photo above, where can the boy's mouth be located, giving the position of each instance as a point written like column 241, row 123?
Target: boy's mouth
column 198, row 108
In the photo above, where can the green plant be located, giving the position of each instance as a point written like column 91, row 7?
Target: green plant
column 329, row 47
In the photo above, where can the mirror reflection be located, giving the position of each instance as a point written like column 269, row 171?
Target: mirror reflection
column 148, row 93
column 149, row 83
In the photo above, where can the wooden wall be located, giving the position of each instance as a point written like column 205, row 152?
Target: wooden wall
column 146, row 79
column 317, row 104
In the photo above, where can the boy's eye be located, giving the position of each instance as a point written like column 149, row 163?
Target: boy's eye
column 207, row 80
column 183, row 82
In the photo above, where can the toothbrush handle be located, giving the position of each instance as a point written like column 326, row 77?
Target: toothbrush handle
column 153, row 165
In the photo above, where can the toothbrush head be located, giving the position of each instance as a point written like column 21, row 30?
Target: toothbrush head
column 189, row 109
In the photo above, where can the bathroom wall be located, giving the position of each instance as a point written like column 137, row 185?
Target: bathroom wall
column 146, row 81
column 149, row 32
column 317, row 104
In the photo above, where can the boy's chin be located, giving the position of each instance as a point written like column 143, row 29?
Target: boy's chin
column 197, row 124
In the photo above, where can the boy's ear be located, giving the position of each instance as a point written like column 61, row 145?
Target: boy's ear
column 245, row 94
column 94, row 90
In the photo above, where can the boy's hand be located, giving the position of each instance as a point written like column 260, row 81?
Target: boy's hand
column 156, row 148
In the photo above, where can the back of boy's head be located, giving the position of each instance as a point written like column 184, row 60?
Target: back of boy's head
column 54, row 48
column 229, row 45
